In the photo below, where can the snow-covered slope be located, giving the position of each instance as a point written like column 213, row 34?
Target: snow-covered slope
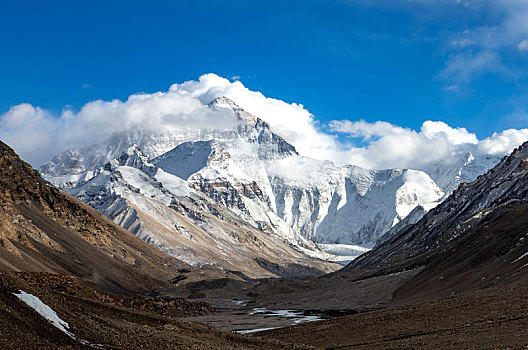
column 164, row 211
column 466, row 168
column 476, row 238
column 332, row 204
column 257, row 176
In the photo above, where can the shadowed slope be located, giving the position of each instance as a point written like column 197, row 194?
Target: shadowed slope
column 44, row 229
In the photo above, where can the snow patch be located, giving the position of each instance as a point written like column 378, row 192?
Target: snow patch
column 173, row 184
column 247, row 331
column 522, row 256
column 44, row 311
column 51, row 316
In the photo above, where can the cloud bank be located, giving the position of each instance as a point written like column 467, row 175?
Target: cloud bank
column 391, row 146
column 37, row 135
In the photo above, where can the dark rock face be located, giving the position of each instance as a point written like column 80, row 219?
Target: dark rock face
column 474, row 239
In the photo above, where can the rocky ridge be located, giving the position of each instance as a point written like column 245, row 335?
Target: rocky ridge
column 474, row 239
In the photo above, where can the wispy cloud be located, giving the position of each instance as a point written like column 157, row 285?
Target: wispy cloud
column 464, row 67
column 475, row 36
column 450, row 88
column 481, row 47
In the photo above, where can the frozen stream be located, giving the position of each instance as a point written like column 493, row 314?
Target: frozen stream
column 294, row 316
column 343, row 253
column 242, row 320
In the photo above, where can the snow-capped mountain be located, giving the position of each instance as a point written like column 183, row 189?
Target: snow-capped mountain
column 253, row 173
column 465, row 168
column 163, row 210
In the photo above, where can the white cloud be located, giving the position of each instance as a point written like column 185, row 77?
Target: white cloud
column 455, row 136
column 37, row 135
column 523, row 45
column 366, row 130
column 391, row 146
column 290, row 120
column 30, row 130
column 504, row 142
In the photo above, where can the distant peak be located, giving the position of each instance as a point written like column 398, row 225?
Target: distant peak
column 223, row 102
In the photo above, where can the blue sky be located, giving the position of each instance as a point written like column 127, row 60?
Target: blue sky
column 404, row 62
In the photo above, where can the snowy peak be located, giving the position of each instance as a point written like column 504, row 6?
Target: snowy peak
column 467, row 206
column 418, row 189
column 223, row 102
column 259, row 177
column 466, row 169
column 71, row 167
column 132, row 157
column 475, row 239
column 256, row 130
column 185, row 159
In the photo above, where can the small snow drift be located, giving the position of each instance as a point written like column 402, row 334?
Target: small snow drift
column 51, row 316
column 44, row 311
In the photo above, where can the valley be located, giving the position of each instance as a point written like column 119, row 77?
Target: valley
column 279, row 175
column 194, row 248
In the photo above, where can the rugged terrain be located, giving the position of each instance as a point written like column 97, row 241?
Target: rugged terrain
column 45, row 229
column 474, row 239
column 100, row 279
column 103, row 321
column 469, row 254
column 466, row 283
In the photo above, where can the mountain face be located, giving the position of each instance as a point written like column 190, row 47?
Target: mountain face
column 164, row 211
column 465, row 168
column 71, row 278
column 249, row 175
column 259, row 177
column 475, row 238
column 44, row 229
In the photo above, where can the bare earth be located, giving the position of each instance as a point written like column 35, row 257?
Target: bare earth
column 113, row 321
column 495, row 318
